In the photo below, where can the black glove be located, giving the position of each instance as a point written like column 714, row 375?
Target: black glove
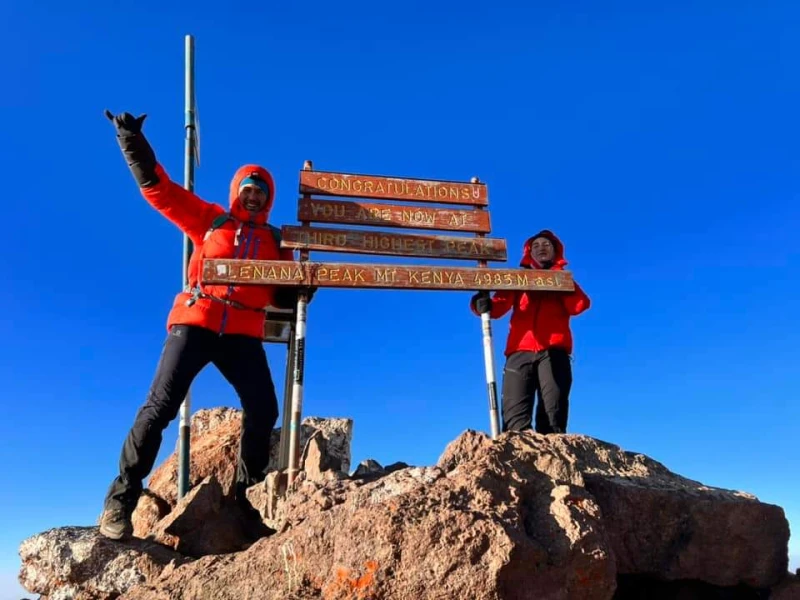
column 481, row 302
column 135, row 148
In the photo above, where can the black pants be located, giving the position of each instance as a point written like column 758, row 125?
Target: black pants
column 550, row 374
column 243, row 362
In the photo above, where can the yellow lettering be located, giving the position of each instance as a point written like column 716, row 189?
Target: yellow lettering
column 379, row 189
column 362, row 215
column 316, row 209
column 286, row 273
column 298, row 274
column 426, row 276
column 438, row 277
column 386, row 275
column 347, row 275
column 322, row 183
column 360, row 275
column 368, row 186
column 550, row 281
column 539, row 281
column 413, row 277
column 347, row 184
column 335, row 274
column 465, row 193
column 272, row 274
column 245, row 272
column 358, row 185
column 334, row 184
column 322, row 274
column 258, row 272
column 419, row 191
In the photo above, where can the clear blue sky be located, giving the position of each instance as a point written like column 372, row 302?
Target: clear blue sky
column 660, row 143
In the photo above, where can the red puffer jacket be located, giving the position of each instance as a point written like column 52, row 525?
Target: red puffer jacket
column 540, row 319
column 235, row 238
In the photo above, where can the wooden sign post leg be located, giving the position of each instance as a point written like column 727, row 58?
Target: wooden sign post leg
column 488, row 360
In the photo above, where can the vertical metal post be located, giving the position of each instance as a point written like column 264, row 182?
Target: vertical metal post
column 488, row 360
column 298, row 368
column 283, row 449
column 188, row 183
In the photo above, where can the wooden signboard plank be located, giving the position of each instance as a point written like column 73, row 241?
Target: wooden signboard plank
column 351, row 275
column 392, row 215
column 393, row 244
column 323, row 183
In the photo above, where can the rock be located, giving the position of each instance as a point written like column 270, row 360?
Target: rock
column 80, row 564
column 215, row 446
column 557, row 517
column 317, row 460
column 481, row 531
column 204, row 522
column 395, row 466
column 368, row 469
column 788, row 589
column 149, row 511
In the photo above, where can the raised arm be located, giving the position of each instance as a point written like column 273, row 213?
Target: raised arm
column 183, row 208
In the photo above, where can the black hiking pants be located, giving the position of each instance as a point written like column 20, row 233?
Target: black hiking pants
column 548, row 373
column 243, row 362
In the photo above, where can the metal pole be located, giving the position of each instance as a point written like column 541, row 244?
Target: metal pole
column 297, row 387
column 188, row 183
column 488, row 360
column 491, row 384
column 283, row 449
column 298, row 366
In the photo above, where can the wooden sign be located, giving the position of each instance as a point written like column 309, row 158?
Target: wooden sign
column 392, row 215
column 323, row 183
column 350, row 275
column 393, row 244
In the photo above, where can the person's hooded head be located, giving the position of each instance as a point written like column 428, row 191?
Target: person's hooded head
column 252, row 194
column 543, row 251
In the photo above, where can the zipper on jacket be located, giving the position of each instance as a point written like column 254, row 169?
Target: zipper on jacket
column 240, row 253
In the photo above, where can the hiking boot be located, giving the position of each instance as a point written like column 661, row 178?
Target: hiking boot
column 115, row 523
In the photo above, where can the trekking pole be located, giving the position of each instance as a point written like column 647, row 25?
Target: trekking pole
column 298, row 366
column 188, row 183
column 488, row 360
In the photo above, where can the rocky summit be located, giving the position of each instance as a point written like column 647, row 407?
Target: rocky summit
column 525, row 516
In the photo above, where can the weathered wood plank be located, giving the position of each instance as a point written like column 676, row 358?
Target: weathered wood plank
column 392, row 215
column 393, row 244
column 323, row 183
column 351, row 275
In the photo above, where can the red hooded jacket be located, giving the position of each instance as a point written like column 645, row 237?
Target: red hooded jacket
column 255, row 241
column 540, row 319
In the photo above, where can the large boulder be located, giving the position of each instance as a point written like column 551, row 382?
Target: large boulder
column 77, row 563
column 214, row 451
column 526, row 516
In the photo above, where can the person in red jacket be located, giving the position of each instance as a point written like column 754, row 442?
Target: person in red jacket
column 219, row 324
column 539, row 342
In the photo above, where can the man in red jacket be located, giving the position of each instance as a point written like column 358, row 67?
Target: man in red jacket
column 539, row 342
column 219, row 324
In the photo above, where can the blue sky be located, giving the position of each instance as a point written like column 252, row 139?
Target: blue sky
column 658, row 142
